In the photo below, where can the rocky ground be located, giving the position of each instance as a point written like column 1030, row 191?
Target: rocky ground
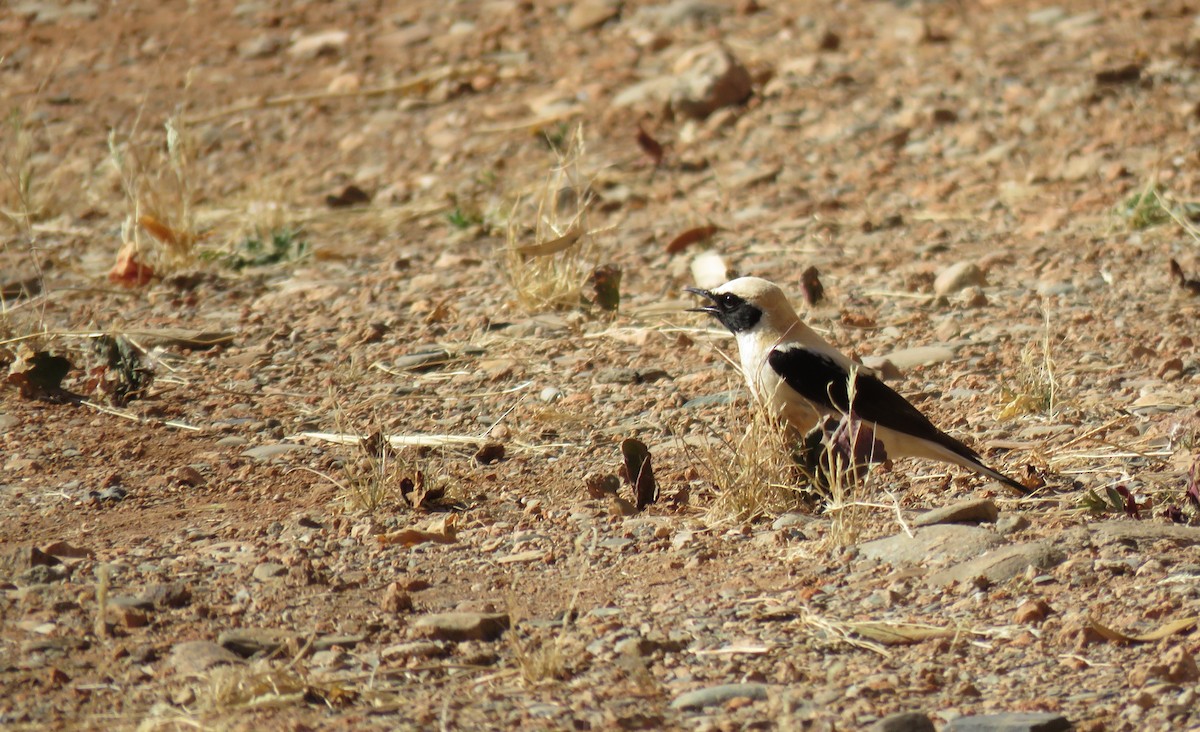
column 237, row 237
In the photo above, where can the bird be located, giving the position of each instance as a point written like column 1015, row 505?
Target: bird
column 802, row 378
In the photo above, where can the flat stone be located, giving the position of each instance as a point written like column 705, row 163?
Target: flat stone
column 462, row 626
column 414, row 649
column 267, row 452
column 709, row 78
column 1138, row 532
column 327, row 642
column 908, row 358
column 167, row 595
column 717, row 695
column 903, row 722
column 1001, row 565
column 979, row 511
column 196, row 657
column 1010, row 722
column 933, row 544
column 248, row 641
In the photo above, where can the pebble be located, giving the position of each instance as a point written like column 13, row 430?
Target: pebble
column 461, row 626
column 717, row 695
column 550, row 394
column 980, row 511
column 958, row 276
column 196, row 657
column 268, row 571
column 232, row 441
column 261, row 46
column 588, row 14
column 1010, row 722
column 709, row 77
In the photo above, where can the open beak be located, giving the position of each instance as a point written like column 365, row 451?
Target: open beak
column 706, row 295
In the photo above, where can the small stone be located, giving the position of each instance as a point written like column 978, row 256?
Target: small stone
column 980, row 511
column 319, row 44
column 261, row 46
column 196, row 657
column 708, row 78
column 958, row 276
column 588, row 14
column 414, row 649
column 187, row 475
column 1010, row 722
column 462, row 626
column 550, row 394
column 268, row 571
column 232, row 441
column 1032, row 612
column 396, row 600
column 717, row 695
column 903, row 722
column 127, row 611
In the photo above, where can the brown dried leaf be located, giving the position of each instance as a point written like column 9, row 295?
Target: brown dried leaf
column 1164, row 631
column 690, row 237
column 128, row 271
column 606, row 285
column 650, row 146
column 810, row 285
column 42, row 376
column 554, row 246
column 1192, row 286
column 638, row 472
column 439, row 532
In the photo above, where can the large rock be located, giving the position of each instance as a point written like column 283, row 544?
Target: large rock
column 903, row 722
column 1139, row 532
column 933, row 544
column 1002, row 564
column 1010, row 722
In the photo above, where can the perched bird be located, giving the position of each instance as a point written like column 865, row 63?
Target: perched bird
column 802, row 378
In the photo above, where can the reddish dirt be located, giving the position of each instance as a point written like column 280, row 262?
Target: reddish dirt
column 882, row 143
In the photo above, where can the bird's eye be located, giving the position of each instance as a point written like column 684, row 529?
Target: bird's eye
column 727, row 301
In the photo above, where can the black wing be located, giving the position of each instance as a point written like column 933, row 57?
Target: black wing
column 823, row 381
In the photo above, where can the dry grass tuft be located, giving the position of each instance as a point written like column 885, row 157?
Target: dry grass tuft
column 160, row 185
column 1034, row 387
column 547, row 264
column 261, row 684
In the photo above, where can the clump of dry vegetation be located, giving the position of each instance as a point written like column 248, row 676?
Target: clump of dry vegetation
column 547, row 264
column 160, row 184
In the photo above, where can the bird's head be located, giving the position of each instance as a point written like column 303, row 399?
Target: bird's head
column 742, row 304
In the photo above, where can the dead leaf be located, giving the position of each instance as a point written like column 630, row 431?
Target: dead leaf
column 165, row 234
column 1192, row 286
column 197, row 340
column 650, row 146
column 128, row 270
column 606, row 284
column 1164, row 631
column 20, row 288
column 638, row 472
column 439, row 532
column 810, row 285
column 899, row 634
column 1127, row 74
column 490, row 453
column 600, row 486
column 40, row 376
column 690, row 237
column 554, row 246
column 349, row 196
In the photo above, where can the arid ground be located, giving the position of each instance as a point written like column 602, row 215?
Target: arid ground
column 239, row 237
